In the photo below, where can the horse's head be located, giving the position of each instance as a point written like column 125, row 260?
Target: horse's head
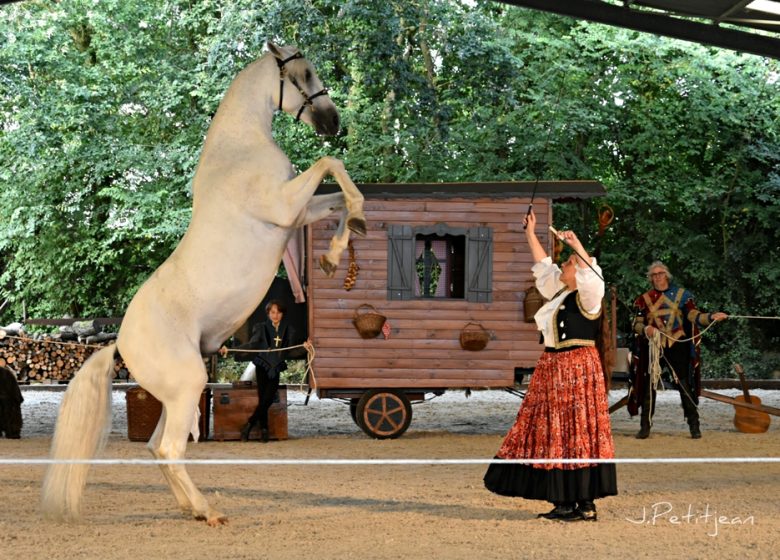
column 307, row 99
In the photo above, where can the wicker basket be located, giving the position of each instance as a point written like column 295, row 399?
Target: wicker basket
column 369, row 322
column 143, row 414
column 532, row 303
column 474, row 337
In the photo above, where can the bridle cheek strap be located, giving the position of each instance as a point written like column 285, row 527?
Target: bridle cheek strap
column 307, row 99
column 282, row 72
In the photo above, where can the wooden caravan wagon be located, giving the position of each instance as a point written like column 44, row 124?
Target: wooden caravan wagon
column 447, row 266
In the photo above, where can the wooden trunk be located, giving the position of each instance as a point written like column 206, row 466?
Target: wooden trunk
column 233, row 407
column 143, row 414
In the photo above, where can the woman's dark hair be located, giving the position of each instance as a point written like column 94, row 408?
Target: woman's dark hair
column 279, row 305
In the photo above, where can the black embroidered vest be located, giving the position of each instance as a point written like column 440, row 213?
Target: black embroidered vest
column 573, row 326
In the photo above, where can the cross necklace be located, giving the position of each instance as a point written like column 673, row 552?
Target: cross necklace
column 277, row 340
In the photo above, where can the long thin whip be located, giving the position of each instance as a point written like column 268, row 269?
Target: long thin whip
column 546, row 146
column 531, row 204
column 752, row 317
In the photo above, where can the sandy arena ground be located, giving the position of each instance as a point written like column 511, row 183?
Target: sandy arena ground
column 383, row 512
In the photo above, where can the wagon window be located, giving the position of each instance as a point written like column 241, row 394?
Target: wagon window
column 439, row 265
column 439, row 262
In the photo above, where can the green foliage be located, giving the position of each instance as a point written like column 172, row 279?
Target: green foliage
column 100, row 140
column 694, row 183
column 229, row 370
column 104, row 107
column 295, row 374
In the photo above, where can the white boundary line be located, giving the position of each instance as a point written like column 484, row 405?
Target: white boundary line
column 374, row 462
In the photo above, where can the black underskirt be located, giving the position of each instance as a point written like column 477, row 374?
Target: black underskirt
column 552, row 485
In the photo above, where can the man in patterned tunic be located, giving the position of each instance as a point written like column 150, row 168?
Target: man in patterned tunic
column 670, row 311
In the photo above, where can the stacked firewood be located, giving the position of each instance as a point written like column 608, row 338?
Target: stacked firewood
column 47, row 358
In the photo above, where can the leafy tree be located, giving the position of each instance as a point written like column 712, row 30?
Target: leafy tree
column 100, row 138
column 105, row 106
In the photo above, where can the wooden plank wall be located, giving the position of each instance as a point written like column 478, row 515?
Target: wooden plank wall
column 423, row 350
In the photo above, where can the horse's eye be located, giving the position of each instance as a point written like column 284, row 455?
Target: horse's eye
column 308, row 75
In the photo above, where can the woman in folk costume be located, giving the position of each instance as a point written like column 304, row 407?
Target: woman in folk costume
column 564, row 413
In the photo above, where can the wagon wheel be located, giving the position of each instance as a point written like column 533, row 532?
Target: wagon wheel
column 384, row 413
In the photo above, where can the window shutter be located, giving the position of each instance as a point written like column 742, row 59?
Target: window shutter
column 479, row 264
column 400, row 261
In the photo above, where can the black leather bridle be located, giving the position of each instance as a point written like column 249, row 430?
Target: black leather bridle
column 307, row 99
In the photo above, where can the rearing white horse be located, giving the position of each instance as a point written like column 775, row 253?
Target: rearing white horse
column 247, row 202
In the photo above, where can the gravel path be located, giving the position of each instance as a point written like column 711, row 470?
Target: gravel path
column 483, row 412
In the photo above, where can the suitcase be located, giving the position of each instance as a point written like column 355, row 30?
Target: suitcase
column 143, row 413
column 233, row 407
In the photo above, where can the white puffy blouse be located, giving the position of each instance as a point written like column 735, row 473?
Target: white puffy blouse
column 547, row 276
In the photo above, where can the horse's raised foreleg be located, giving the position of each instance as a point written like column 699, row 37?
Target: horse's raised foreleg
column 320, row 207
column 299, row 190
column 330, row 260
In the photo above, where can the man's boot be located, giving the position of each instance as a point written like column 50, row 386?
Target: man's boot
column 644, row 426
column 691, row 413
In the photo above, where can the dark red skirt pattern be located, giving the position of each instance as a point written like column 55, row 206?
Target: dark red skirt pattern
column 564, row 414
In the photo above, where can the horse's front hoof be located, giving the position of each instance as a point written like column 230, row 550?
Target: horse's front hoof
column 327, row 267
column 357, row 225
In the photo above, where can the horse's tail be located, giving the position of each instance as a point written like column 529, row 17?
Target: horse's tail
column 82, row 429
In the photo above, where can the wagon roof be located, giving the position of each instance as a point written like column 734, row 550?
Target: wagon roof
column 554, row 190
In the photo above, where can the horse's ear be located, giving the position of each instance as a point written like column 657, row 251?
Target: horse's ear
column 276, row 51
column 282, row 52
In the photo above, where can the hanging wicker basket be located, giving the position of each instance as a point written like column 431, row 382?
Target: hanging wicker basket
column 474, row 337
column 368, row 321
column 532, row 303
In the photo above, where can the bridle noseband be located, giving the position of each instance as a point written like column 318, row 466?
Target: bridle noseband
column 307, row 99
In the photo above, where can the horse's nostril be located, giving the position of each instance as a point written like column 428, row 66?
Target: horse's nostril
column 336, row 121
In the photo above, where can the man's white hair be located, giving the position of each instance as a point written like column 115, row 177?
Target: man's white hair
column 658, row 264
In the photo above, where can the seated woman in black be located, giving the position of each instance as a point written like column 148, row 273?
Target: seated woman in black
column 273, row 333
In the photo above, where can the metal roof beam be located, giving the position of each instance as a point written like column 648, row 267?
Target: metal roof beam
column 733, row 10
column 657, row 24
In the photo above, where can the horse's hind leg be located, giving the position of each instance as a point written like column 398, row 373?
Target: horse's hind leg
column 153, row 446
column 173, row 445
column 180, row 400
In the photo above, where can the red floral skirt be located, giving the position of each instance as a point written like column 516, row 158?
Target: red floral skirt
column 564, row 415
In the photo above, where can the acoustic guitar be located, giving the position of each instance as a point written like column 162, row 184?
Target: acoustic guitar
column 746, row 420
